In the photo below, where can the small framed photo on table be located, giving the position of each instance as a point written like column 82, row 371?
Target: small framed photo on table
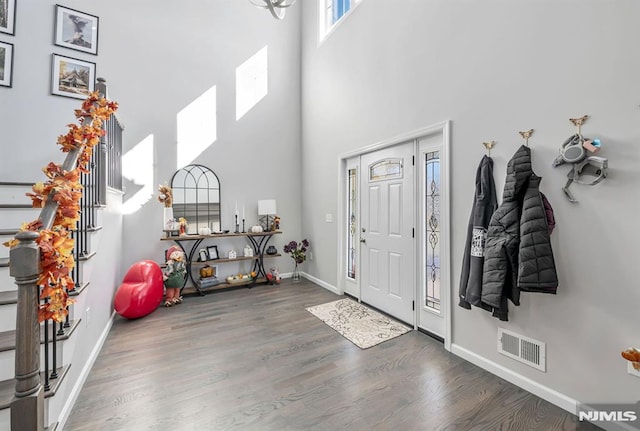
column 71, row 77
column 212, row 252
column 76, row 30
column 203, row 255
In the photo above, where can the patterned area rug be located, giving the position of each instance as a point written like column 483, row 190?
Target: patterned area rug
column 362, row 326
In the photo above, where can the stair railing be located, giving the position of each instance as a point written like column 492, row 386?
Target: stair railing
column 27, row 407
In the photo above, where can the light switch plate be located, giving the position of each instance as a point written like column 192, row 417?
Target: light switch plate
column 328, row 218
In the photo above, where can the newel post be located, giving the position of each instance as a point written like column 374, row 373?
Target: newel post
column 27, row 406
column 101, row 170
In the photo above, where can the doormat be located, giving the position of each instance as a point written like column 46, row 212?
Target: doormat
column 359, row 324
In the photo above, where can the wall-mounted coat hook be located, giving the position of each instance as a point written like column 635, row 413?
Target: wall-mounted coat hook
column 578, row 122
column 526, row 135
column 489, row 145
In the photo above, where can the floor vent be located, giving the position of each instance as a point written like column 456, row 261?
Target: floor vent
column 524, row 349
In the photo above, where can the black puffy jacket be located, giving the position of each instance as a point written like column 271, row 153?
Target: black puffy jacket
column 518, row 254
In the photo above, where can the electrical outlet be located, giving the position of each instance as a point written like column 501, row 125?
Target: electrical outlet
column 310, row 255
column 632, row 370
column 87, row 315
column 328, row 218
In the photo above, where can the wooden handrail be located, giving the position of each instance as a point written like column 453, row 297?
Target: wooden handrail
column 27, row 407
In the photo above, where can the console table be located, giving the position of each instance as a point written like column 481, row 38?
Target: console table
column 190, row 244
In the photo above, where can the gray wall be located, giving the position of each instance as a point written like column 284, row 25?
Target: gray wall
column 495, row 68
column 158, row 57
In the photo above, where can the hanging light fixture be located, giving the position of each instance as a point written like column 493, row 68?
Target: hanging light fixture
column 276, row 7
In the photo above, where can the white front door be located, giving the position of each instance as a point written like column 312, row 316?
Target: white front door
column 387, row 247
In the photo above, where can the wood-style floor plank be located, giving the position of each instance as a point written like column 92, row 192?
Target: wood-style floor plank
column 255, row 359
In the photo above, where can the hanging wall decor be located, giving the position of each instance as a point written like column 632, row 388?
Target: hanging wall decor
column 76, row 30
column 7, row 16
column 579, row 152
column 6, row 64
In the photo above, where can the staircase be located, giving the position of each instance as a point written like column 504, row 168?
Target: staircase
column 39, row 406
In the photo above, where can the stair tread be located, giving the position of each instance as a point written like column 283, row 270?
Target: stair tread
column 7, row 232
column 17, row 206
column 4, row 262
column 8, row 387
column 9, row 297
column 8, row 338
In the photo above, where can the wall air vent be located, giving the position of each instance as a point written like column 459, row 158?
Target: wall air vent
column 524, row 349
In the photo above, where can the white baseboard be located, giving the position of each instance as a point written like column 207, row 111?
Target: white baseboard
column 548, row 394
column 73, row 396
column 321, row 283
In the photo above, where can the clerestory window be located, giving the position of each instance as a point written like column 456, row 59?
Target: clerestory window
column 332, row 12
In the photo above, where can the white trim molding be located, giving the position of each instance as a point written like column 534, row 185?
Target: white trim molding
column 548, row 394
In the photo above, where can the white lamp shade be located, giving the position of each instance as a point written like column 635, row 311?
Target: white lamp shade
column 267, row 207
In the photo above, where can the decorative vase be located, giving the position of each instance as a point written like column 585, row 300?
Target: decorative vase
column 167, row 222
column 295, row 276
column 272, row 250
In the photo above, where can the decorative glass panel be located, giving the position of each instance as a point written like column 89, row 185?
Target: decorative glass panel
column 432, row 214
column 351, row 223
column 385, row 170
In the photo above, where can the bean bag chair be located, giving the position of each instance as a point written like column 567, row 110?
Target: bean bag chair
column 141, row 290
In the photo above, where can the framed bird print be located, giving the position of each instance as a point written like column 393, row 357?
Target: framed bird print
column 76, row 30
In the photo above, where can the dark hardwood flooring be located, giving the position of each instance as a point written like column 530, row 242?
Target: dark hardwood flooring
column 255, row 359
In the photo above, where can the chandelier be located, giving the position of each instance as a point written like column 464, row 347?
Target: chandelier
column 276, row 7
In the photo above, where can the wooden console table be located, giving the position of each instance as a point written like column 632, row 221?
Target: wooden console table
column 190, row 244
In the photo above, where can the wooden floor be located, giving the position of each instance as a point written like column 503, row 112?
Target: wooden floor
column 255, row 359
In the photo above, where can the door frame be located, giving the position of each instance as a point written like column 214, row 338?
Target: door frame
column 444, row 129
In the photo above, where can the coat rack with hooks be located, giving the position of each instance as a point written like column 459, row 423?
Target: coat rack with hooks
column 526, row 135
column 489, row 145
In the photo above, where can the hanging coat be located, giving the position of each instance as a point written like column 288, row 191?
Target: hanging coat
column 518, row 254
column 484, row 204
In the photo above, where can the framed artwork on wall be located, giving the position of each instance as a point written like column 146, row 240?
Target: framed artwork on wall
column 6, row 64
column 7, row 16
column 71, row 77
column 76, row 30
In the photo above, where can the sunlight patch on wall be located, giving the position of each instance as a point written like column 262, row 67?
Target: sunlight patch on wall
column 137, row 170
column 196, row 127
column 251, row 82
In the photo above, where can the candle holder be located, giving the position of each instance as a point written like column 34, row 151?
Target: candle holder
column 237, row 225
column 243, row 231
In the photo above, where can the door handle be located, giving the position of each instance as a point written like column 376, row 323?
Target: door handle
column 362, row 240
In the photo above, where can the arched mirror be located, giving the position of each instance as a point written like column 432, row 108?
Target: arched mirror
column 196, row 197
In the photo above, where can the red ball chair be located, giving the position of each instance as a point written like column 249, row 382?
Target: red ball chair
column 141, row 290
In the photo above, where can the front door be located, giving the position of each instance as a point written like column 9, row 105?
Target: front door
column 387, row 248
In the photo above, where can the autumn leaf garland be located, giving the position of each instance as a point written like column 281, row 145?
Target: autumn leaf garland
column 56, row 245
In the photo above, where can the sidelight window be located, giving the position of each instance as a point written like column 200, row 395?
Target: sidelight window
column 432, row 243
column 351, row 223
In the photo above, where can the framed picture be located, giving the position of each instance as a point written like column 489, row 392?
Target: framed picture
column 212, row 252
column 71, row 77
column 7, row 16
column 76, row 30
column 203, row 255
column 6, row 64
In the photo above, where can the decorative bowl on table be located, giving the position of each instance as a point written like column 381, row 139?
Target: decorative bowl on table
column 239, row 278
